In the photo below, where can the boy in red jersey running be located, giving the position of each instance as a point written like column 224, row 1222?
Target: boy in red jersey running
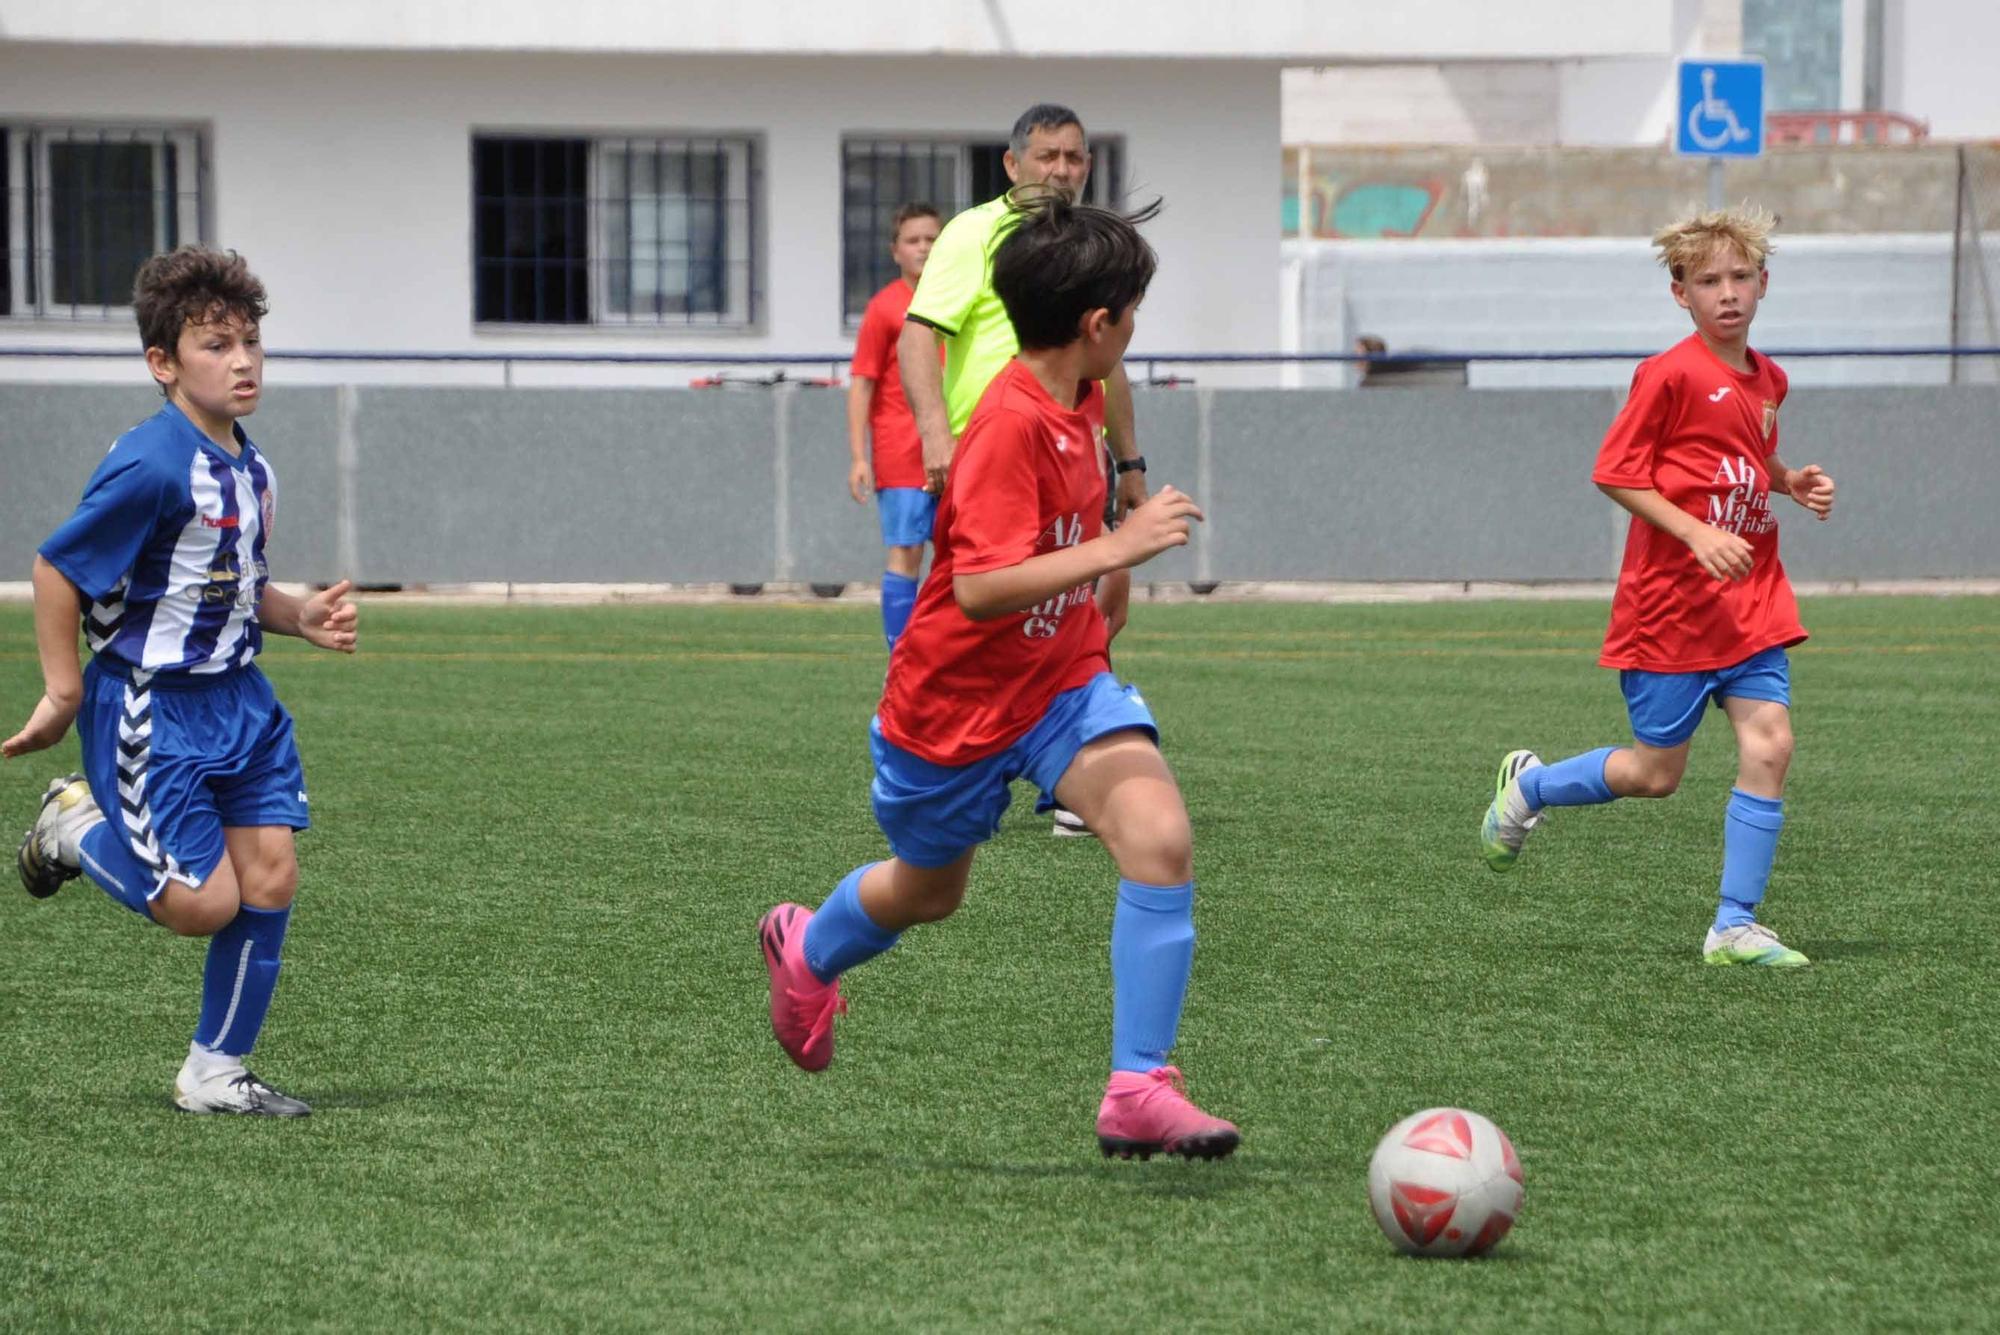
column 1003, row 674
column 1703, row 610
column 877, row 409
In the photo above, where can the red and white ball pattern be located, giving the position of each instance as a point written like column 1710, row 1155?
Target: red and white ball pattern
column 1445, row 1182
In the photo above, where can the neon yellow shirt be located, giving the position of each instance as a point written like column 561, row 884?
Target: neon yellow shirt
column 955, row 296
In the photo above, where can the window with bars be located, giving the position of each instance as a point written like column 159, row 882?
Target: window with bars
column 84, row 207
column 879, row 176
column 650, row 231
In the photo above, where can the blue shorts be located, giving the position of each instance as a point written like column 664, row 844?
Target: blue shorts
column 197, row 754
column 934, row 813
column 1666, row 706
column 908, row 514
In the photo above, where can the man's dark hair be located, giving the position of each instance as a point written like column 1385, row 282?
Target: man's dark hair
column 1041, row 116
column 1062, row 260
column 193, row 285
column 916, row 208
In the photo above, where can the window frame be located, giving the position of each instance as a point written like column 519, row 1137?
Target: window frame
column 1108, row 172
column 181, row 207
column 743, row 265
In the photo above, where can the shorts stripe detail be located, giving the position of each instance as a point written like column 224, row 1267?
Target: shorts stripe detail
column 135, row 750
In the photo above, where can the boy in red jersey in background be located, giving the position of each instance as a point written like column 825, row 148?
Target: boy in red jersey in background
column 877, row 411
column 1003, row 674
column 1703, row 610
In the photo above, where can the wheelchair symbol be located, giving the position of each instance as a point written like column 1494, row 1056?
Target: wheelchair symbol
column 1712, row 123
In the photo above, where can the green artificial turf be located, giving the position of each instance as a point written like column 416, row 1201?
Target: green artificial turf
column 523, row 993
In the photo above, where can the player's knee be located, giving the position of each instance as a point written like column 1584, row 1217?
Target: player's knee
column 1771, row 748
column 1155, row 846
column 1656, row 781
column 937, row 903
column 202, row 910
column 271, row 881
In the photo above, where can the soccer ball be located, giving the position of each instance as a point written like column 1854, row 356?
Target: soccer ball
column 1445, row 1182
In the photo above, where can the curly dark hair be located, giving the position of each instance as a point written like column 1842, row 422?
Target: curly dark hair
column 193, row 285
column 1062, row 260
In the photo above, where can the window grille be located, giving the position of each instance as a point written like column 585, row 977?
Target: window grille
column 84, row 207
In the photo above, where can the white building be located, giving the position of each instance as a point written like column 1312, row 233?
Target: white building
column 1928, row 59
column 626, row 177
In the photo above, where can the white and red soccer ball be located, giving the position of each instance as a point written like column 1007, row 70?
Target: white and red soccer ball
column 1445, row 1182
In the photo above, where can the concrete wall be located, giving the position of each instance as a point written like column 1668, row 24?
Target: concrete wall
column 1443, row 191
column 411, row 485
column 1602, row 293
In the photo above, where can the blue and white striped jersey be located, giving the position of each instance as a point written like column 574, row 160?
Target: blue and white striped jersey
column 168, row 546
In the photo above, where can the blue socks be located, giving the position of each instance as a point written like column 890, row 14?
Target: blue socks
column 1152, row 953
column 241, row 975
column 841, row 934
column 899, row 599
column 1749, row 846
column 117, row 870
column 1576, row 782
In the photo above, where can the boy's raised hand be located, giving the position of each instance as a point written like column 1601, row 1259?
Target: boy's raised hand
column 1811, row 487
column 327, row 619
column 1721, row 553
column 1163, row 521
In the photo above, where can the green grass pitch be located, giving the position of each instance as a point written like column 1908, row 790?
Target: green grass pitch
column 523, row 993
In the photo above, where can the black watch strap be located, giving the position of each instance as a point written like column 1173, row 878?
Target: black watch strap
column 1136, row 464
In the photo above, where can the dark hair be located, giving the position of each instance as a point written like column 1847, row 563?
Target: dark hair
column 1041, row 116
column 1063, row 260
column 914, row 209
column 193, row 285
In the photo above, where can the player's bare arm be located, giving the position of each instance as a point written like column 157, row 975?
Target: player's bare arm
column 326, row 619
column 58, row 612
column 1121, row 433
column 1810, row 486
column 1723, row 555
column 1162, row 522
column 860, row 393
column 918, row 350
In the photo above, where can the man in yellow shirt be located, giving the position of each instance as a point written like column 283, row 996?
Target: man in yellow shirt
column 956, row 308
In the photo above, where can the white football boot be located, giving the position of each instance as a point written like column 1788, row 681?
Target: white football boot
column 211, row 1082
column 51, row 852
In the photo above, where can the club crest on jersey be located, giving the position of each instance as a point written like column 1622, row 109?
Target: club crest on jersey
column 1770, row 420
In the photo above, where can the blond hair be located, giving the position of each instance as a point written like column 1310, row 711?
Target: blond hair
column 1691, row 240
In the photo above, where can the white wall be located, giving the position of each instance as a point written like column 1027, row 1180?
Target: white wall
column 1583, row 98
column 345, row 178
column 1939, row 63
column 1300, row 30
column 1609, row 294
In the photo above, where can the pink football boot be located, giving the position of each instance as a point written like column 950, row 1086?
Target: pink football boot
column 802, row 1007
column 1149, row 1113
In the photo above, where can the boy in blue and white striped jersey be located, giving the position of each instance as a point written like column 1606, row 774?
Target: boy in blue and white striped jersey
column 192, row 788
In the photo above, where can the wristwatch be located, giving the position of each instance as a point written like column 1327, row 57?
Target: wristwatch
column 1136, row 464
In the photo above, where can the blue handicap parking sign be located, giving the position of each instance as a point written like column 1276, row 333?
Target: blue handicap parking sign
column 1721, row 108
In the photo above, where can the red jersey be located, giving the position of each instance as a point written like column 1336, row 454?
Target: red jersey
column 1698, row 432
column 892, row 427
column 1025, row 481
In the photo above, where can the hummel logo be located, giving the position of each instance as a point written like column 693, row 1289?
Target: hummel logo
column 303, row 798
column 1720, row 394
column 1061, row 444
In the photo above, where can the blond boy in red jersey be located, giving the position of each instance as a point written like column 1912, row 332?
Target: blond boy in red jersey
column 1703, row 611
